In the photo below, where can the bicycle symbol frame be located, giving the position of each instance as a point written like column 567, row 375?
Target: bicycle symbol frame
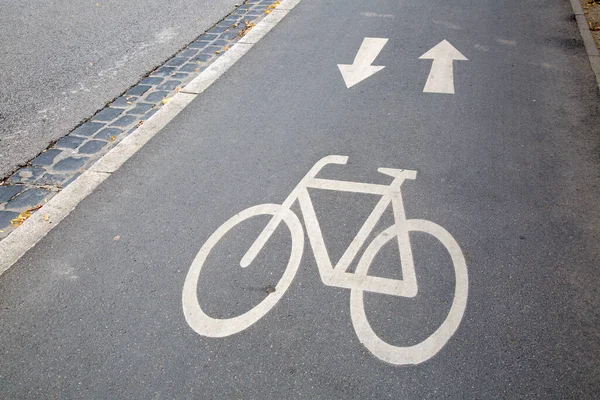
column 337, row 275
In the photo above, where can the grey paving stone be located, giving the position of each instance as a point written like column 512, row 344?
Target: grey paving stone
column 72, row 179
column 124, row 121
column 69, row 142
column 198, row 45
column 53, row 179
column 211, row 50
column 9, row 191
column 251, row 18
column 164, row 71
column 176, row 62
column 28, row 199
column 92, row 147
column 149, row 114
column 6, row 217
column 106, row 133
column 190, row 67
column 207, row 37
column 138, row 90
column 243, row 24
column 232, row 34
column 156, row 96
column 107, row 114
column 46, row 158
column 151, row 81
column 204, row 56
column 123, row 101
column 169, row 85
column 26, row 175
column 220, row 43
column 141, row 109
column 180, row 76
column 87, row 129
column 70, row 164
column 187, row 53
column 216, row 30
column 227, row 22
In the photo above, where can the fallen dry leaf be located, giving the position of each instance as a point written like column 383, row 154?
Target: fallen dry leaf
column 116, row 238
column 166, row 100
column 140, row 123
column 46, row 217
column 22, row 217
column 113, row 138
column 249, row 26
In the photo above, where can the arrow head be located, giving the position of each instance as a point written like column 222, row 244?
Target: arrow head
column 443, row 50
column 354, row 74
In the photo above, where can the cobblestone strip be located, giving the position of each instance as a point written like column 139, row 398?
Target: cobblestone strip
column 32, row 185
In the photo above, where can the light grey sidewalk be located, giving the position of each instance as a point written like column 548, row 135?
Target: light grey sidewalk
column 61, row 61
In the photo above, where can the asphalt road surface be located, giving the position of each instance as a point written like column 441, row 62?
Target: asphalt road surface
column 61, row 61
column 507, row 169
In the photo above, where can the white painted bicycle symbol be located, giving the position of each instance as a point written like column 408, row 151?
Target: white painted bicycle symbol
column 358, row 282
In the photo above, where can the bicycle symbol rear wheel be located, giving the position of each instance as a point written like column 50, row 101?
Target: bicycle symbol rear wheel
column 205, row 325
column 423, row 351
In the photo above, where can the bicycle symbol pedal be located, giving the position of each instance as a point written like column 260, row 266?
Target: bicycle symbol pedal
column 358, row 281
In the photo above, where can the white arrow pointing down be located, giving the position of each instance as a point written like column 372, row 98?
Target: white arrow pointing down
column 361, row 69
column 441, row 76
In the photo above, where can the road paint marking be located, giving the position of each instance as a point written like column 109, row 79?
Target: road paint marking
column 358, row 282
column 22, row 239
column 428, row 348
column 506, row 42
column 447, row 24
column 441, row 76
column 361, row 68
column 375, row 15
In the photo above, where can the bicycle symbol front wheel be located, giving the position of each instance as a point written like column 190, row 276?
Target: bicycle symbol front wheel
column 205, row 325
column 429, row 347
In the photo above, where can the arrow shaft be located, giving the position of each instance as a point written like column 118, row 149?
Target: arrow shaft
column 441, row 77
column 369, row 50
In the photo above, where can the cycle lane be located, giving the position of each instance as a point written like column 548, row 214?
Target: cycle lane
column 510, row 178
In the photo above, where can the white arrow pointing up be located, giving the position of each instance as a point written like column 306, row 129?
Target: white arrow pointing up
column 441, row 76
column 361, row 68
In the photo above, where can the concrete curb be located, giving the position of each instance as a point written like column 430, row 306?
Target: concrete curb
column 15, row 245
column 588, row 40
